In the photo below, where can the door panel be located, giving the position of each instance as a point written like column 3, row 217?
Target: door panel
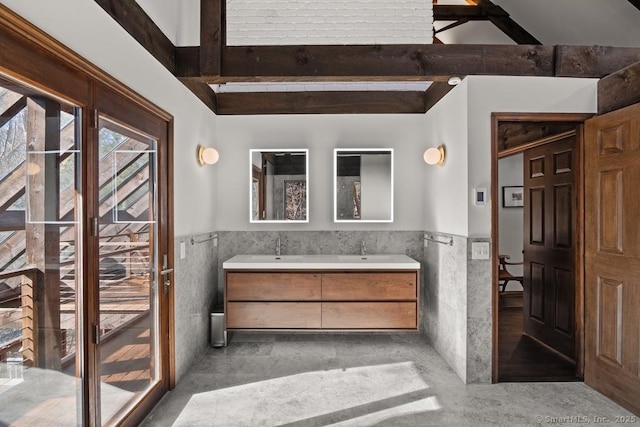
column 536, row 210
column 41, row 283
column 130, row 301
column 562, row 216
column 537, row 287
column 610, row 227
column 127, row 284
column 564, row 296
column 612, row 286
column 609, row 344
column 549, row 250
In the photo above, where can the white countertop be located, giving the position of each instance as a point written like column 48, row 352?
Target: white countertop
column 321, row 262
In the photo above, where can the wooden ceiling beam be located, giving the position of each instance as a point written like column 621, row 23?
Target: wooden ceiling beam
column 593, row 61
column 434, row 93
column 513, row 30
column 188, row 72
column 619, row 89
column 212, row 35
column 130, row 15
column 449, row 12
column 202, row 91
column 434, row 62
column 184, row 63
column 324, row 102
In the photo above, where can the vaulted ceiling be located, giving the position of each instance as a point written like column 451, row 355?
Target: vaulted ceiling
column 510, row 37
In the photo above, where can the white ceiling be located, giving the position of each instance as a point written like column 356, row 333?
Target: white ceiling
column 572, row 22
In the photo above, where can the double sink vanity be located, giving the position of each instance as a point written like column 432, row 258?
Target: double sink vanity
column 321, row 292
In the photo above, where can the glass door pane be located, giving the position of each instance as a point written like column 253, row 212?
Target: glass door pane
column 40, row 261
column 128, row 298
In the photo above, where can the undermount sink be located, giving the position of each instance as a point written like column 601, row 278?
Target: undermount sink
column 363, row 258
column 284, row 258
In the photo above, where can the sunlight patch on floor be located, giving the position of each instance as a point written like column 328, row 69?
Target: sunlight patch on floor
column 379, row 417
column 369, row 391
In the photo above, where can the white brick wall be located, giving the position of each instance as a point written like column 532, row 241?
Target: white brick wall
column 287, row 22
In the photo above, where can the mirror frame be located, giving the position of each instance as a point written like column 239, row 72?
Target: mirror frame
column 276, row 150
column 335, row 184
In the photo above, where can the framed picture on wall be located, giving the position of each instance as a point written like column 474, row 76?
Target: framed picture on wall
column 295, row 200
column 512, row 197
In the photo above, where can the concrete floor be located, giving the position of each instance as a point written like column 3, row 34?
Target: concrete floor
column 361, row 380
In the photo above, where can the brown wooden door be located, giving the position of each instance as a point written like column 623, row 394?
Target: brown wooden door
column 612, row 244
column 549, row 244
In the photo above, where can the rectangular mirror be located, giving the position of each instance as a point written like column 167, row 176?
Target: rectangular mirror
column 279, row 190
column 363, row 185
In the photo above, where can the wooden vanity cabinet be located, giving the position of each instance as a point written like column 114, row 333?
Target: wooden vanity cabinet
column 347, row 300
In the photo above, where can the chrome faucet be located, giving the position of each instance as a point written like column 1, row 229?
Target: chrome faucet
column 278, row 247
column 363, row 248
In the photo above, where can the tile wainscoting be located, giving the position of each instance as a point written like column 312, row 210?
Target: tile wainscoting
column 196, row 284
column 457, row 311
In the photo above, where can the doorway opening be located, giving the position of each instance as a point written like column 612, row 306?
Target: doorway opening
column 537, row 227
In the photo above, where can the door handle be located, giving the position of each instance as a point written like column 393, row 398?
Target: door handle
column 167, row 281
column 165, row 272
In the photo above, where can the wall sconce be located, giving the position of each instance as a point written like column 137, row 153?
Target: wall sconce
column 435, row 155
column 207, row 155
column 454, row 81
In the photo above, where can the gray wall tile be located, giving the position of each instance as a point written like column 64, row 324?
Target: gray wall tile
column 195, row 282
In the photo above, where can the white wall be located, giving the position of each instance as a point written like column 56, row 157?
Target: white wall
column 107, row 45
column 320, row 134
column 511, row 220
column 462, row 122
column 281, row 22
column 446, row 186
column 488, row 94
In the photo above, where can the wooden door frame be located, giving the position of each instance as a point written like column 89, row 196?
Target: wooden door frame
column 572, row 118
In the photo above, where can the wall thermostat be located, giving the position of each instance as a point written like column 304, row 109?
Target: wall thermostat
column 480, row 196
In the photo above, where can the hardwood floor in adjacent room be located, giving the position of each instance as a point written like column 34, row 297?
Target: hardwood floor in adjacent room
column 521, row 358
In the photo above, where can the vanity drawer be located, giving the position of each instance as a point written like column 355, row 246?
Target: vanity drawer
column 369, row 286
column 265, row 286
column 280, row 315
column 369, row 315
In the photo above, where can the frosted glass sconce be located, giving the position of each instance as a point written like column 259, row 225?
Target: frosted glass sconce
column 207, row 155
column 435, row 155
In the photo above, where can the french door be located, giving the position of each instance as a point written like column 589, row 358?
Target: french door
column 84, row 275
column 130, row 240
column 85, row 228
